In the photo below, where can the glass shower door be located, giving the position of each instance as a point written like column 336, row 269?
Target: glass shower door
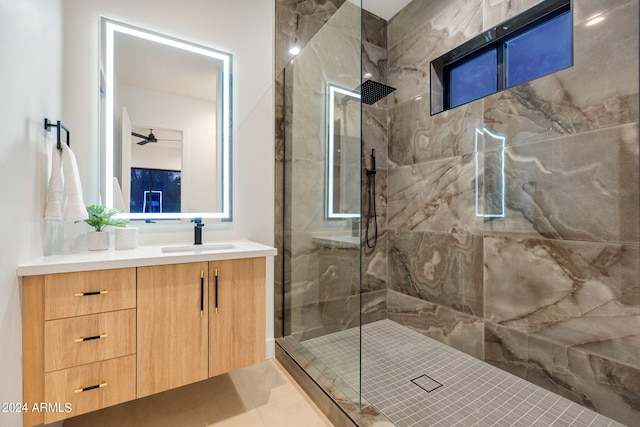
column 322, row 200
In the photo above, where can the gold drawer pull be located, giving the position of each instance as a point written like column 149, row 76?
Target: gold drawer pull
column 91, row 387
column 88, row 294
column 94, row 337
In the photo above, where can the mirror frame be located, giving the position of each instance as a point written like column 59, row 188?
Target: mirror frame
column 110, row 27
column 332, row 91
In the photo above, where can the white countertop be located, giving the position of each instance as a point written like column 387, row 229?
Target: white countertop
column 140, row 257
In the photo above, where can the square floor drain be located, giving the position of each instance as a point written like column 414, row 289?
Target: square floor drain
column 426, row 383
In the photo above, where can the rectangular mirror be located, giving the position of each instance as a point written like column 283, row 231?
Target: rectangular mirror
column 166, row 135
column 343, row 153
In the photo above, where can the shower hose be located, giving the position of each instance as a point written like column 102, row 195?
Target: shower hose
column 371, row 214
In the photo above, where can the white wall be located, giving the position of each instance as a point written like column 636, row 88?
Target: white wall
column 196, row 118
column 30, row 84
column 243, row 28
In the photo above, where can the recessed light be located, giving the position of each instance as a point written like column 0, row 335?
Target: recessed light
column 367, row 75
column 294, row 50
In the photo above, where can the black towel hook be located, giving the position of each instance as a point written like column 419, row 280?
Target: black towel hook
column 59, row 125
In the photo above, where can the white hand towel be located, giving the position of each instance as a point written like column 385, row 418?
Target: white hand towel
column 74, row 209
column 118, row 198
column 53, row 212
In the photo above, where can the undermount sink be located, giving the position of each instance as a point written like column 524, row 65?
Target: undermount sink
column 199, row 248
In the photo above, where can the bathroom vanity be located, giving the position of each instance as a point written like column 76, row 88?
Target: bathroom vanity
column 104, row 328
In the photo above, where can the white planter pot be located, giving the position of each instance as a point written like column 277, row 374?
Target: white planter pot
column 97, row 240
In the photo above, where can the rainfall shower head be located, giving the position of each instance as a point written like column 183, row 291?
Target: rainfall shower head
column 372, row 92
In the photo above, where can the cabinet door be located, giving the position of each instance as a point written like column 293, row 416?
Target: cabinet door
column 172, row 326
column 236, row 314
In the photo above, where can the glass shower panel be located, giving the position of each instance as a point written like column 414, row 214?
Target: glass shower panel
column 322, row 205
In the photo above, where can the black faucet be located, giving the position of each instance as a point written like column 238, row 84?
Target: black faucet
column 197, row 231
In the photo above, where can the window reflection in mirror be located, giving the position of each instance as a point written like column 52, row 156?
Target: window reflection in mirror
column 343, row 153
column 167, row 111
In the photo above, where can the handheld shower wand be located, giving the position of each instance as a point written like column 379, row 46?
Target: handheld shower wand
column 371, row 214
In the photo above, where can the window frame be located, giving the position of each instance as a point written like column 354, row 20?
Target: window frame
column 495, row 38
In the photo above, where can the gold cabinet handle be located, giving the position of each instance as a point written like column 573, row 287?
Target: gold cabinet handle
column 91, row 387
column 88, row 294
column 91, row 338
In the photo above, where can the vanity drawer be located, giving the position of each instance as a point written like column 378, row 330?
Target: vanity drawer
column 90, row 387
column 85, row 339
column 89, row 292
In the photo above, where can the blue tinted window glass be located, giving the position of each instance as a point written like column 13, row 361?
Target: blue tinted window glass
column 154, row 190
column 539, row 51
column 474, row 79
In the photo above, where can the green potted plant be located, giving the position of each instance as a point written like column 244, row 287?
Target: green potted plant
column 99, row 218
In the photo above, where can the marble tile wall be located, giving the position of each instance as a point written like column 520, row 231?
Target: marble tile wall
column 297, row 21
column 321, row 282
column 374, row 267
column 549, row 290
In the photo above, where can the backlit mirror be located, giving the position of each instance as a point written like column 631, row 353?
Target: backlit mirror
column 166, row 139
column 343, row 153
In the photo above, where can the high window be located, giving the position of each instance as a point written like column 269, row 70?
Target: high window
column 530, row 45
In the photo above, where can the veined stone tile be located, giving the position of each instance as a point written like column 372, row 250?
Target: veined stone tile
column 441, row 268
column 584, row 10
column 416, row 137
column 406, row 23
column 380, row 200
column 320, row 10
column 602, row 385
column 581, row 187
column 297, row 21
column 497, row 11
column 375, row 261
column 434, row 196
column 460, row 331
column 346, row 20
column 339, row 273
column 374, row 135
column 374, row 61
column 598, row 91
column 579, row 294
column 409, row 58
column 373, row 306
column 333, row 315
column 506, row 348
column 374, row 29
column 308, row 196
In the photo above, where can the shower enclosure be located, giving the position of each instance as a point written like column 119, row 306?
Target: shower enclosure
column 502, row 287
column 322, row 192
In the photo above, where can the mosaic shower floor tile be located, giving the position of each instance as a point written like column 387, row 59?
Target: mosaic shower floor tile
column 417, row 381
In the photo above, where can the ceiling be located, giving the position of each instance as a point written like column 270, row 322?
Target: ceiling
column 385, row 9
column 149, row 65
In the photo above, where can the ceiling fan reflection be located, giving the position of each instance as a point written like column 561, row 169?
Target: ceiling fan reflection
column 149, row 138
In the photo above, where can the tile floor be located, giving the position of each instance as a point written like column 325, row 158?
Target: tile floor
column 472, row 393
column 263, row 395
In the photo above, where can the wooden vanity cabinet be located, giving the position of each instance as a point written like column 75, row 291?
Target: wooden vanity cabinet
column 172, row 326
column 78, row 343
column 199, row 320
column 99, row 338
column 236, row 314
